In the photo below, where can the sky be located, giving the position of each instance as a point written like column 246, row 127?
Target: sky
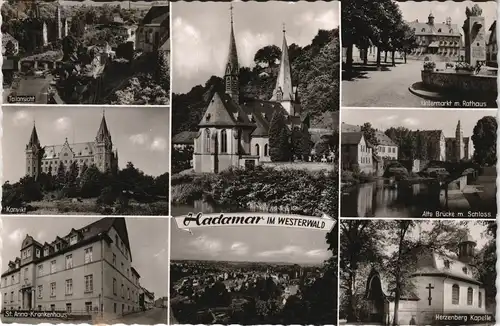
column 445, row 120
column 200, row 33
column 149, row 253
column 140, row 134
column 441, row 10
column 250, row 243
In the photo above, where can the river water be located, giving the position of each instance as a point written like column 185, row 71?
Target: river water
column 376, row 199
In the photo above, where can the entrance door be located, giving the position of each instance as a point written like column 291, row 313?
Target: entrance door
column 28, row 300
column 378, row 303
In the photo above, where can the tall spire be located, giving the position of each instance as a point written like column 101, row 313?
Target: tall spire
column 284, row 90
column 34, row 141
column 232, row 66
column 103, row 132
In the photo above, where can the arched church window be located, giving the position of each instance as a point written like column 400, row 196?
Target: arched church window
column 266, row 148
column 455, row 294
column 480, row 299
column 470, row 295
column 257, row 149
column 223, row 141
column 207, row 140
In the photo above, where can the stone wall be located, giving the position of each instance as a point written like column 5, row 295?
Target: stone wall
column 461, row 82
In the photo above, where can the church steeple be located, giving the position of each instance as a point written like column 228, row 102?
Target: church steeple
column 283, row 92
column 231, row 75
column 103, row 132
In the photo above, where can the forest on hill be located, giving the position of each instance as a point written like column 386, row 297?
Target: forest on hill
column 315, row 70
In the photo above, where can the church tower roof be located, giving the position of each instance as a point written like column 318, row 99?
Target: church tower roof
column 103, row 132
column 232, row 66
column 34, row 138
column 459, row 126
column 284, row 81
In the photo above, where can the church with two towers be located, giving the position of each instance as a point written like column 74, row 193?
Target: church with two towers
column 234, row 130
column 47, row 159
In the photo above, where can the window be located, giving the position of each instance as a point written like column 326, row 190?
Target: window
column 123, row 291
column 26, row 274
column 207, row 140
column 464, row 270
column 127, row 273
column 53, row 289
column 266, row 148
column 128, row 293
column 88, row 307
column 52, row 307
column 12, row 296
column 223, row 141
column 116, row 240
column 69, row 287
column 37, row 253
column 73, row 239
column 88, row 255
column 447, row 264
column 114, row 286
column 122, row 267
column 68, row 307
column 12, row 278
column 5, row 298
column 89, row 283
column 257, row 149
column 114, row 259
column 480, row 299
column 53, row 267
column 40, row 307
column 69, row 261
column 28, row 252
column 40, row 291
column 455, row 294
column 40, row 270
column 470, row 296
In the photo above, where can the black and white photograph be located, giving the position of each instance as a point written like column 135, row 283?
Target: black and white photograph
column 411, row 163
column 417, row 272
column 439, row 54
column 253, row 275
column 255, row 107
column 84, row 270
column 84, row 160
column 86, row 52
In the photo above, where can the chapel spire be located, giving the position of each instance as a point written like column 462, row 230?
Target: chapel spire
column 103, row 132
column 283, row 92
column 232, row 66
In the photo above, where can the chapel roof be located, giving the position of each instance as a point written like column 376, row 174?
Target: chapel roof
column 223, row 111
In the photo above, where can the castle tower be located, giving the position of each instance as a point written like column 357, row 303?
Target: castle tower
column 231, row 75
column 284, row 92
column 459, row 142
column 430, row 19
column 466, row 250
column 104, row 158
column 34, row 153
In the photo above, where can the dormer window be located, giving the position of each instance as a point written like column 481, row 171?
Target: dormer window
column 465, row 270
column 46, row 251
column 37, row 253
column 279, row 94
column 447, row 264
column 207, row 118
column 73, row 239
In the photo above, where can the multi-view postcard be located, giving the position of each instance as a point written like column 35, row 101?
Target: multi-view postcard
column 419, row 54
column 86, row 52
column 85, row 161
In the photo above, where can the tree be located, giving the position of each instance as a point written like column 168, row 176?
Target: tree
column 484, row 137
column 408, row 146
column 422, row 145
column 370, row 136
column 61, row 173
column 268, row 56
column 163, row 70
column 301, row 143
column 279, row 143
column 72, row 174
column 486, row 261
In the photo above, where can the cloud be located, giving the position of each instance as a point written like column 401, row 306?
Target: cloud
column 62, row 124
column 139, row 139
column 205, row 244
column 287, row 250
column 40, row 236
column 17, row 235
column 159, row 144
column 239, row 248
column 249, row 44
column 318, row 253
column 21, row 118
column 411, row 122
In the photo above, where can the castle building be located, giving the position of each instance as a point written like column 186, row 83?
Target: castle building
column 437, row 38
column 459, row 147
column 85, row 272
column 48, row 159
column 442, row 285
column 234, row 130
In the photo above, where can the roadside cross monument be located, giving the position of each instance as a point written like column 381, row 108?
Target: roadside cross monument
column 475, row 40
